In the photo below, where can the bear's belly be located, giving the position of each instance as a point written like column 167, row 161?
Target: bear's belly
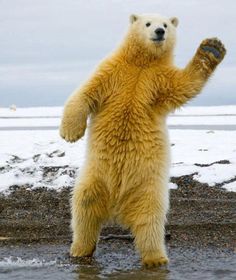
column 129, row 154
column 128, row 141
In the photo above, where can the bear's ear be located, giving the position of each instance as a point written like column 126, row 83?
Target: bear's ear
column 133, row 18
column 174, row 21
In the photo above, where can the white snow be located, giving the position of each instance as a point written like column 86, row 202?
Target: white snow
column 57, row 111
column 230, row 187
column 216, row 173
column 37, row 151
column 40, row 158
column 204, row 147
column 34, row 111
column 50, row 116
column 172, row 120
column 202, row 120
column 207, row 110
column 30, row 122
column 172, row 186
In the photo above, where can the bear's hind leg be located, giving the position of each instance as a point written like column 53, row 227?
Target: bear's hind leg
column 146, row 215
column 89, row 211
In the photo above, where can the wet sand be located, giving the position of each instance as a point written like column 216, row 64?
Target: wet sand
column 201, row 236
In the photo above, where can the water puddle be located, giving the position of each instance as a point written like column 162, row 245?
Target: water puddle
column 113, row 260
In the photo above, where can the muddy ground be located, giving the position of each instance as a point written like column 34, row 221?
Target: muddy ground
column 196, row 210
column 201, row 225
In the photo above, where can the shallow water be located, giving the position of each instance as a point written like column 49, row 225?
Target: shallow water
column 113, row 260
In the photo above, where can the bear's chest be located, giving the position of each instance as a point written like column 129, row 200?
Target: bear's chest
column 134, row 84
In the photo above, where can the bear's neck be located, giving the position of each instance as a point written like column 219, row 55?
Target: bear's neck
column 132, row 52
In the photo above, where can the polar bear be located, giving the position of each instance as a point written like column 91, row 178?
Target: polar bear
column 128, row 98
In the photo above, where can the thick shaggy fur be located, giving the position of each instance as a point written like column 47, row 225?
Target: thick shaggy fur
column 126, row 172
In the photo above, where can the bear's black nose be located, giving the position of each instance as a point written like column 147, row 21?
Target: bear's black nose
column 160, row 32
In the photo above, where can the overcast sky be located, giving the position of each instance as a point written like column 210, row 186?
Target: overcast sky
column 49, row 47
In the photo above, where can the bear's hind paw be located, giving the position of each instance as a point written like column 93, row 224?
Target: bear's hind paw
column 155, row 262
column 78, row 251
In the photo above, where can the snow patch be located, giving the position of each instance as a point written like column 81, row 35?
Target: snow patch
column 173, row 186
column 231, row 187
column 40, row 158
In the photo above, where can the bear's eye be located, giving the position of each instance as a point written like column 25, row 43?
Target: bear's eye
column 148, row 24
column 165, row 25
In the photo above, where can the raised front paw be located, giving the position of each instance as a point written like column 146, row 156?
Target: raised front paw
column 72, row 130
column 214, row 47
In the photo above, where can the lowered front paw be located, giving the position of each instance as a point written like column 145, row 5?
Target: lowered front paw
column 72, row 130
column 213, row 47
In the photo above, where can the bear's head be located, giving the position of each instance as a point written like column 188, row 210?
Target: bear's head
column 154, row 32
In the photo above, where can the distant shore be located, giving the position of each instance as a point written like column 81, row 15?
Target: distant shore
column 182, row 127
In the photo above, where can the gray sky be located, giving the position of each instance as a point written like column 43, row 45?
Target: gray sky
column 49, row 47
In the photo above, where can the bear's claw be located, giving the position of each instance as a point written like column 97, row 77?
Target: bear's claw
column 214, row 46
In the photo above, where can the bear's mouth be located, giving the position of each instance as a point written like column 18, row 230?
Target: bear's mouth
column 158, row 40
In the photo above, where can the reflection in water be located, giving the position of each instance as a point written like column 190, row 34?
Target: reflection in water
column 89, row 268
column 86, row 272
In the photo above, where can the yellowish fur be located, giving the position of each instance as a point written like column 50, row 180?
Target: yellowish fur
column 126, row 173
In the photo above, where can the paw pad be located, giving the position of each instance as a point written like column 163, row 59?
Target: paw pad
column 215, row 47
column 212, row 50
